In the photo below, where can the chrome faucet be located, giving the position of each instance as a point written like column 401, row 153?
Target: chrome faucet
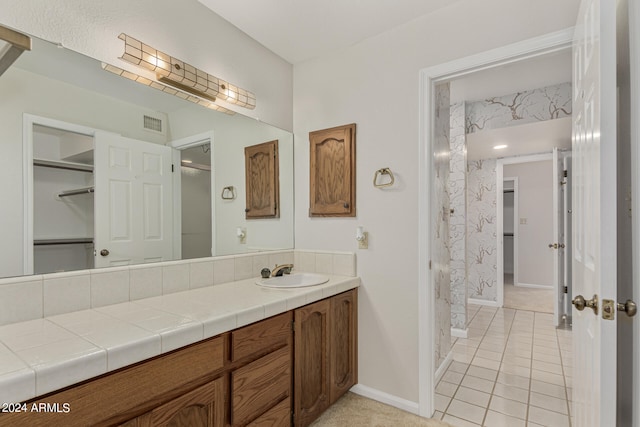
column 279, row 270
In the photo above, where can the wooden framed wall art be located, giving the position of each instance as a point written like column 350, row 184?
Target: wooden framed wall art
column 333, row 172
column 262, row 178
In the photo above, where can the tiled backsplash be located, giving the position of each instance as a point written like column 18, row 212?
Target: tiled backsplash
column 33, row 297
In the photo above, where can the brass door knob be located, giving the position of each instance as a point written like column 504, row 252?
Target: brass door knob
column 628, row 307
column 553, row 245
column 104, row 252
column 580, row 303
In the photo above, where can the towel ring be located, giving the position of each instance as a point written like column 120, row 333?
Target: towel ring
column 228, row 193
column 379, row 173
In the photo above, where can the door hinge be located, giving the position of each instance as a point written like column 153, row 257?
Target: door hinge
column 566, row 289
column 429, row 264
column 172, row 168
column 566, row 173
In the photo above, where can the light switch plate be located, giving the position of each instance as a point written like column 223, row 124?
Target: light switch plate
column 364, row 243
column 523, row 221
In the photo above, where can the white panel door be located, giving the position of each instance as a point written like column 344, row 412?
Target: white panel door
column 133, row 206
column 594, row 211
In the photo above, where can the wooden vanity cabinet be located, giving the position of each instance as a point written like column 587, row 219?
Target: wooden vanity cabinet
column 325, row 354
column 251, row 376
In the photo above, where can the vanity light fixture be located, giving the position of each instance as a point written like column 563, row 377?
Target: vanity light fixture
column 168, row 89
column 499, row 147
column 183, row 76
column 12, row 44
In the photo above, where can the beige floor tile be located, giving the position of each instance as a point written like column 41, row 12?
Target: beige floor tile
column 466, row 411
column 548, row 389
column 458, row 422
column 547, row 418
column 472, row 396
column 446, row 389
column 550, row 358
column 462, row 358
column 484, row 373
column 548, row 402
column 488, row 354
column 438, row 415
column 452, row 377
column 458, row 367
column 508, row 407
column 511, row 392
column 513, row 380
column 523, row 371
column 554, row 368
column 547, row 377
column 441, row 402
column 477, row 383
column 485, row 363
column 496, row 419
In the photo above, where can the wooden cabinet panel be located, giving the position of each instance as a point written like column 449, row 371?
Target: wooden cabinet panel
column 262, row 179
column 124, row 394
column 333, row 171
column 278, row 416
column 311, row 335
column 261, row 337
column 260, row 385
column 202, row 407
column 344, row 343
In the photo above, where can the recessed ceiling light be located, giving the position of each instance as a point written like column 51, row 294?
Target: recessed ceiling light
column 499, row 147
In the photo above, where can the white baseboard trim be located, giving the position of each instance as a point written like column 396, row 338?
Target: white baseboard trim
column 389, row 399
column 459, row 333
column 483, row 302
column 532, row 285
column 443, row 366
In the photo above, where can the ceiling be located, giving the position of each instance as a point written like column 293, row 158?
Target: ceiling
column 298, row 30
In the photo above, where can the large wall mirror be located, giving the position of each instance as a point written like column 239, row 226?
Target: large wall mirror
column 97, row 171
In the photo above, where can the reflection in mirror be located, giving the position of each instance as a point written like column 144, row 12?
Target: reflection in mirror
column 70, row 130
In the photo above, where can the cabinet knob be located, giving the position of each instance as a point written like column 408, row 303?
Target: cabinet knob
column 346, row 205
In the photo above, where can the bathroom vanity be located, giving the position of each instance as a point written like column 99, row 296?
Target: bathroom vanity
column 285, row 369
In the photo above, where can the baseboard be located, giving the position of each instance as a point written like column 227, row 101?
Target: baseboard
column 459, row 333
column 532, row 285
column 483, row 302
column 389, row 399
column 443, row 367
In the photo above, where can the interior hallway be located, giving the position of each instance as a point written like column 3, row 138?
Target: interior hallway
column 514, row 369
column 524, row 298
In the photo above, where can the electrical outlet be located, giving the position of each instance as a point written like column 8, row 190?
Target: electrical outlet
column 364, row 243
column 523, row 221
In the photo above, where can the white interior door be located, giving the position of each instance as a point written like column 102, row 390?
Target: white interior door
column 133, row 203
column 594, row 208
column 559, row 243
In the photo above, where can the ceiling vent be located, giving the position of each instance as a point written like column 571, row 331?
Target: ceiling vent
column 153, row 124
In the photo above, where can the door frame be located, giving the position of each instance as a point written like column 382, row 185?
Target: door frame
column 500, row 219
column 500, row 231
column 634, row 60
column 179, row 145
column 428, row 78
column 28, row 121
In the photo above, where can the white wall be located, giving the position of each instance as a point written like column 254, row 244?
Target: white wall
column 375, row 84
column 187, row 30
column 535, row 204
column 195, row 197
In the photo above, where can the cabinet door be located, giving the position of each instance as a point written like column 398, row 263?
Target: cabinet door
column 312, row 339
column 262, row 180
column 333, row 171
column 344, row 343
column 203, row 406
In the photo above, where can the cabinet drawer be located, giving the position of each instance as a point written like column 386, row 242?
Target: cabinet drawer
column 260, row 385
column 279, row 415
column 261, row 337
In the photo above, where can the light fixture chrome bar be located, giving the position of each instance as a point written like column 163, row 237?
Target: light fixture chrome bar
column 195, row 166
column 16, row 43
column 181, row 73
column 165, row 88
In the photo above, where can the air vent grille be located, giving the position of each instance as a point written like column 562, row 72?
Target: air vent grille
column 153, row 124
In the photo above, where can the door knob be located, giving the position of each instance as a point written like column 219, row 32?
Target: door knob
column 580, row 303
column 553, row 245
column 104, row 252
column 628, row 307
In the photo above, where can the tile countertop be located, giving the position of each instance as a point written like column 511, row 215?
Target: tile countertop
column 43, row 355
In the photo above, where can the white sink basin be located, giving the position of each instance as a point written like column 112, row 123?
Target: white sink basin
column 295, row 280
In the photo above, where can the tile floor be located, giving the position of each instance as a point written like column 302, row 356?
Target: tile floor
column 514, row 369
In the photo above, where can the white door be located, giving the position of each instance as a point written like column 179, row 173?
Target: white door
column 559, row 243
column 133, row 203
column 594, row 211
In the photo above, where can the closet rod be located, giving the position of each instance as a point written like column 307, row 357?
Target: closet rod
column 70, row 241
column 59, row 164
column 85, row 190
